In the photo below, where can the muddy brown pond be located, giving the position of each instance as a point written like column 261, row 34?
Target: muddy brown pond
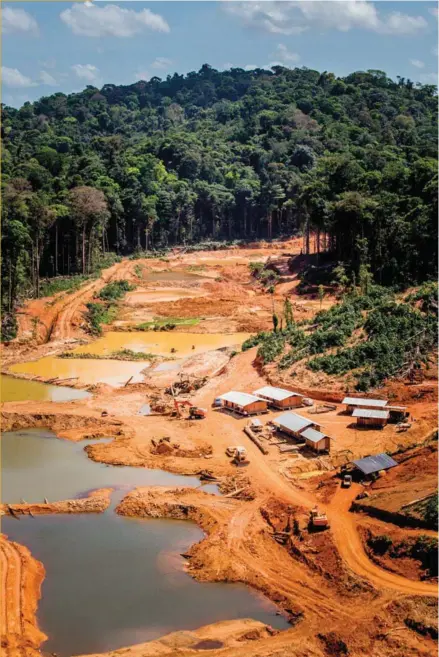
column 111, row 581
column 14, row 389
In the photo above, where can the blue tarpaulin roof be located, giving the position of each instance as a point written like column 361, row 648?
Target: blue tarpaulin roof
column 371, row 464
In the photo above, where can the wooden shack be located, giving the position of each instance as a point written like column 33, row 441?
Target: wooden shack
column 243, row 403
column 371, row 418
column 397, row 413
column 293, row 424
column 279, row 397
column 316, row 440
column 352, row 403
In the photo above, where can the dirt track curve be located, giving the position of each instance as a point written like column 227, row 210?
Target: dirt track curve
column 55, row 321
column 62, row 327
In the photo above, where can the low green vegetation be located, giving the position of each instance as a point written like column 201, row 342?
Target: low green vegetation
column 8, row 327
column 375, row 336
column 52, row 286
column 426, row 296
column 105, row 312
column 98, row 314
column 121, row 354
column 167, row 324
column 422, row 548
column 196, row 268
column 213, row 245
column 265, row 275
column 149, row 255
column 115, row 290
column 138, row 270
column 427, row 510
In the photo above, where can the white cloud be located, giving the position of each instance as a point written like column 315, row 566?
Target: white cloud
column 86, row 72
column 161, row 63
column 417, row 63
column 434, row 11
column 111, row 20
column 285, row 55
column 398, row 23
column 296, row 16
column 15, row 21
column 250, row 67
column 11, row 77
column 49, row 80
column 434, row 51
column 428, row 78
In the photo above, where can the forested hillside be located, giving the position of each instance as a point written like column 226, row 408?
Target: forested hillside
column 223, row 156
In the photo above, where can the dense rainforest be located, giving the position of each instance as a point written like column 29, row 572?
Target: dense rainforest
column 232, row 155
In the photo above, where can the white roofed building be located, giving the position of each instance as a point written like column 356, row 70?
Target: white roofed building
column 243, row 403
column 279, row 397
column 359, row 402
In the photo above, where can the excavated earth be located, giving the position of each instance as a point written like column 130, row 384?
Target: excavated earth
column 339, row 600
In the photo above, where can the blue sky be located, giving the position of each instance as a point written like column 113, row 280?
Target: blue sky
column 63, row 46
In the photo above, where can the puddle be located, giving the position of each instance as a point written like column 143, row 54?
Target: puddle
column 207, row 644
column 163, row 294
column 168, row 366
column 110, row 581
column 144, row 410
column 12, row 389
column 161, row 342
column 113, row 372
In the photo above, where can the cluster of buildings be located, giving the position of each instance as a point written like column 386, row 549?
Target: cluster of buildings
column 292, row 424
column 367, row 412
column 374, row 412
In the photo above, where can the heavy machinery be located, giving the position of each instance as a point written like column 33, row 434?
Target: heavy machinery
column 239, row 455
column 195, row 413
column 318, row 520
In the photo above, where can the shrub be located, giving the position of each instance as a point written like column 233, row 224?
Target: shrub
column 430, row 511
column 52, row 286
column 9, row 327
column 98, row 314
column 380, row 544
column 115, row 290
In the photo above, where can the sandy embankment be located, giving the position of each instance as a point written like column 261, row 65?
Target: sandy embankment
column 233, row 634
column 21, row 579
column 97, row 501
column 80, row 425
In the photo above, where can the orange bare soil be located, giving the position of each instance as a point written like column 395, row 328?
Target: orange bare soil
column 340, row 599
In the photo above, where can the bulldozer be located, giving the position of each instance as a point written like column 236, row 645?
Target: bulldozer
column 318, row 520
column 240, row 456
column 195, row 413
